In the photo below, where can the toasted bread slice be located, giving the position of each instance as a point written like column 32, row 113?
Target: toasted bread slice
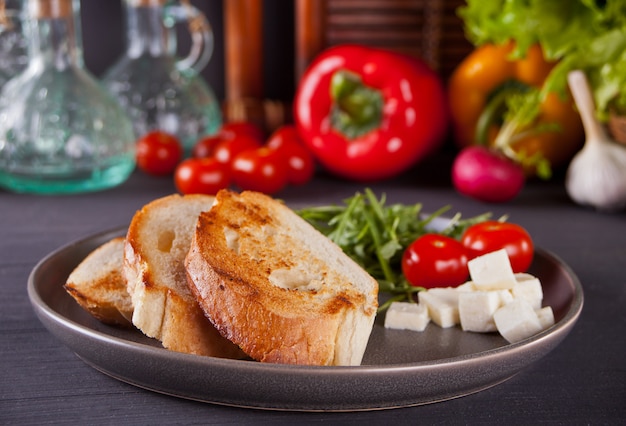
column 157, row 241
column 98, row 284
column 277, row 287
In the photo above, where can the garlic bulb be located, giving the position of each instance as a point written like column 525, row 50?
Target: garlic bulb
column 596, row 175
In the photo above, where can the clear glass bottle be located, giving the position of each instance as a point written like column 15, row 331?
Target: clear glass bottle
column 60, row 130
column 13, row 44
column 158, row 90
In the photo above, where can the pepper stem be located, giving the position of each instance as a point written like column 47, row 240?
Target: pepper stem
column 357, row 108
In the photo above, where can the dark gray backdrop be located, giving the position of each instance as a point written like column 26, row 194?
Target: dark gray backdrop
column 103, row 41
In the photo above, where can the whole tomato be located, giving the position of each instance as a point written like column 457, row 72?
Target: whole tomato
column 491, row 235
column 228, row 149
column 205, row 147
column 435, row 260
column 201, row 176
column 234, row 129
column 285, row 135
column 261, row 169
column 300, row 161
column 158, row 153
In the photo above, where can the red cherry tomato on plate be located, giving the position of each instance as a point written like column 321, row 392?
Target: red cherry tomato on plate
column 201, row 176
column 158, row 153
column 492, row 235
column 227, row 150
column 205, row 147
column 261, row 169
column 234, row 129
column 300, row 162
column 435, row 260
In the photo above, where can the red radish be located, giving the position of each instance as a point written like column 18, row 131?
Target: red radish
column 487, row 175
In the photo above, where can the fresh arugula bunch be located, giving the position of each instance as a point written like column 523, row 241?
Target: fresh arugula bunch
column 375, row 235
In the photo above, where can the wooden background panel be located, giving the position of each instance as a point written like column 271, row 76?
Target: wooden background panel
column 429, row 29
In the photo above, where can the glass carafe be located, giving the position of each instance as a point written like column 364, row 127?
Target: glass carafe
column 13, row 44
column 60, row 130
column 158, row 90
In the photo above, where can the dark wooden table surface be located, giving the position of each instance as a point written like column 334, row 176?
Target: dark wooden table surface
column 582, row 381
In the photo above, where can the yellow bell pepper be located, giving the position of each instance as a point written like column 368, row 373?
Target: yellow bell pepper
column 482, row 81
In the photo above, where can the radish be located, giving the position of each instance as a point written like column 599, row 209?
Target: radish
column 487, row 175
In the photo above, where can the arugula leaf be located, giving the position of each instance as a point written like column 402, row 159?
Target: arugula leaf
column 375, row 235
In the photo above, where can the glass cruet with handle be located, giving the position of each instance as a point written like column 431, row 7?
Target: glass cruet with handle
column 159, row 90
column 60, row 129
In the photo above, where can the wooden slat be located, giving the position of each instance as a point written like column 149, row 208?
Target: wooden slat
column 375, row 4
column 372, row 19
column 401, row 37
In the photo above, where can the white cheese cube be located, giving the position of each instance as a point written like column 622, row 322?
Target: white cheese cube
column 524, row 276
column 492, row 271
column 448, row 294
column 467, row 286
column 476, row 310
column 546, row 317
column 407, row 316
column 443, row 310
column 528, row 287
column 517, row 321
column 505, row 297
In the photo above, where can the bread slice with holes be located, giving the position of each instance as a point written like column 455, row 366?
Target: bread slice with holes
column 164, row 308
column 277, row 287
column 98, row 284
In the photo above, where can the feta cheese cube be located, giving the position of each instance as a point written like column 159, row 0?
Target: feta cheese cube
column 476, row 310
column 528, row 287
column 448, row 294
column 442, row 308
column 492, row 271
column 524, row 276
column 546, row 317
column 505, row 296
column 467, row 286
column 517, row 321
column 407, row 316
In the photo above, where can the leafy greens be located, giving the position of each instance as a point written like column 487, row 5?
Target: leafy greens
column 375, row 235
column 589, row 35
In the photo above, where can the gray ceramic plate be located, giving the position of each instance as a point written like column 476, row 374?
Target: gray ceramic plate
column 399, row 369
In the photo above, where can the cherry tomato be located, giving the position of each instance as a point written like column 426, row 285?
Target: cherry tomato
column 235, row 129
column 300, row 162
column 205, row 147
column 158, row 153
column 284, row 135
column 435, row 260
column 227, row 150
column 492, row 235
column 201, row 176
column 261, row 169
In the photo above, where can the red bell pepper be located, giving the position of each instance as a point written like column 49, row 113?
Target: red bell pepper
column 369, row 113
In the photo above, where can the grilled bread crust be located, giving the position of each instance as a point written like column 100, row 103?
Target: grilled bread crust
column 99, row 287
column 156, row 244
column 277, row 287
